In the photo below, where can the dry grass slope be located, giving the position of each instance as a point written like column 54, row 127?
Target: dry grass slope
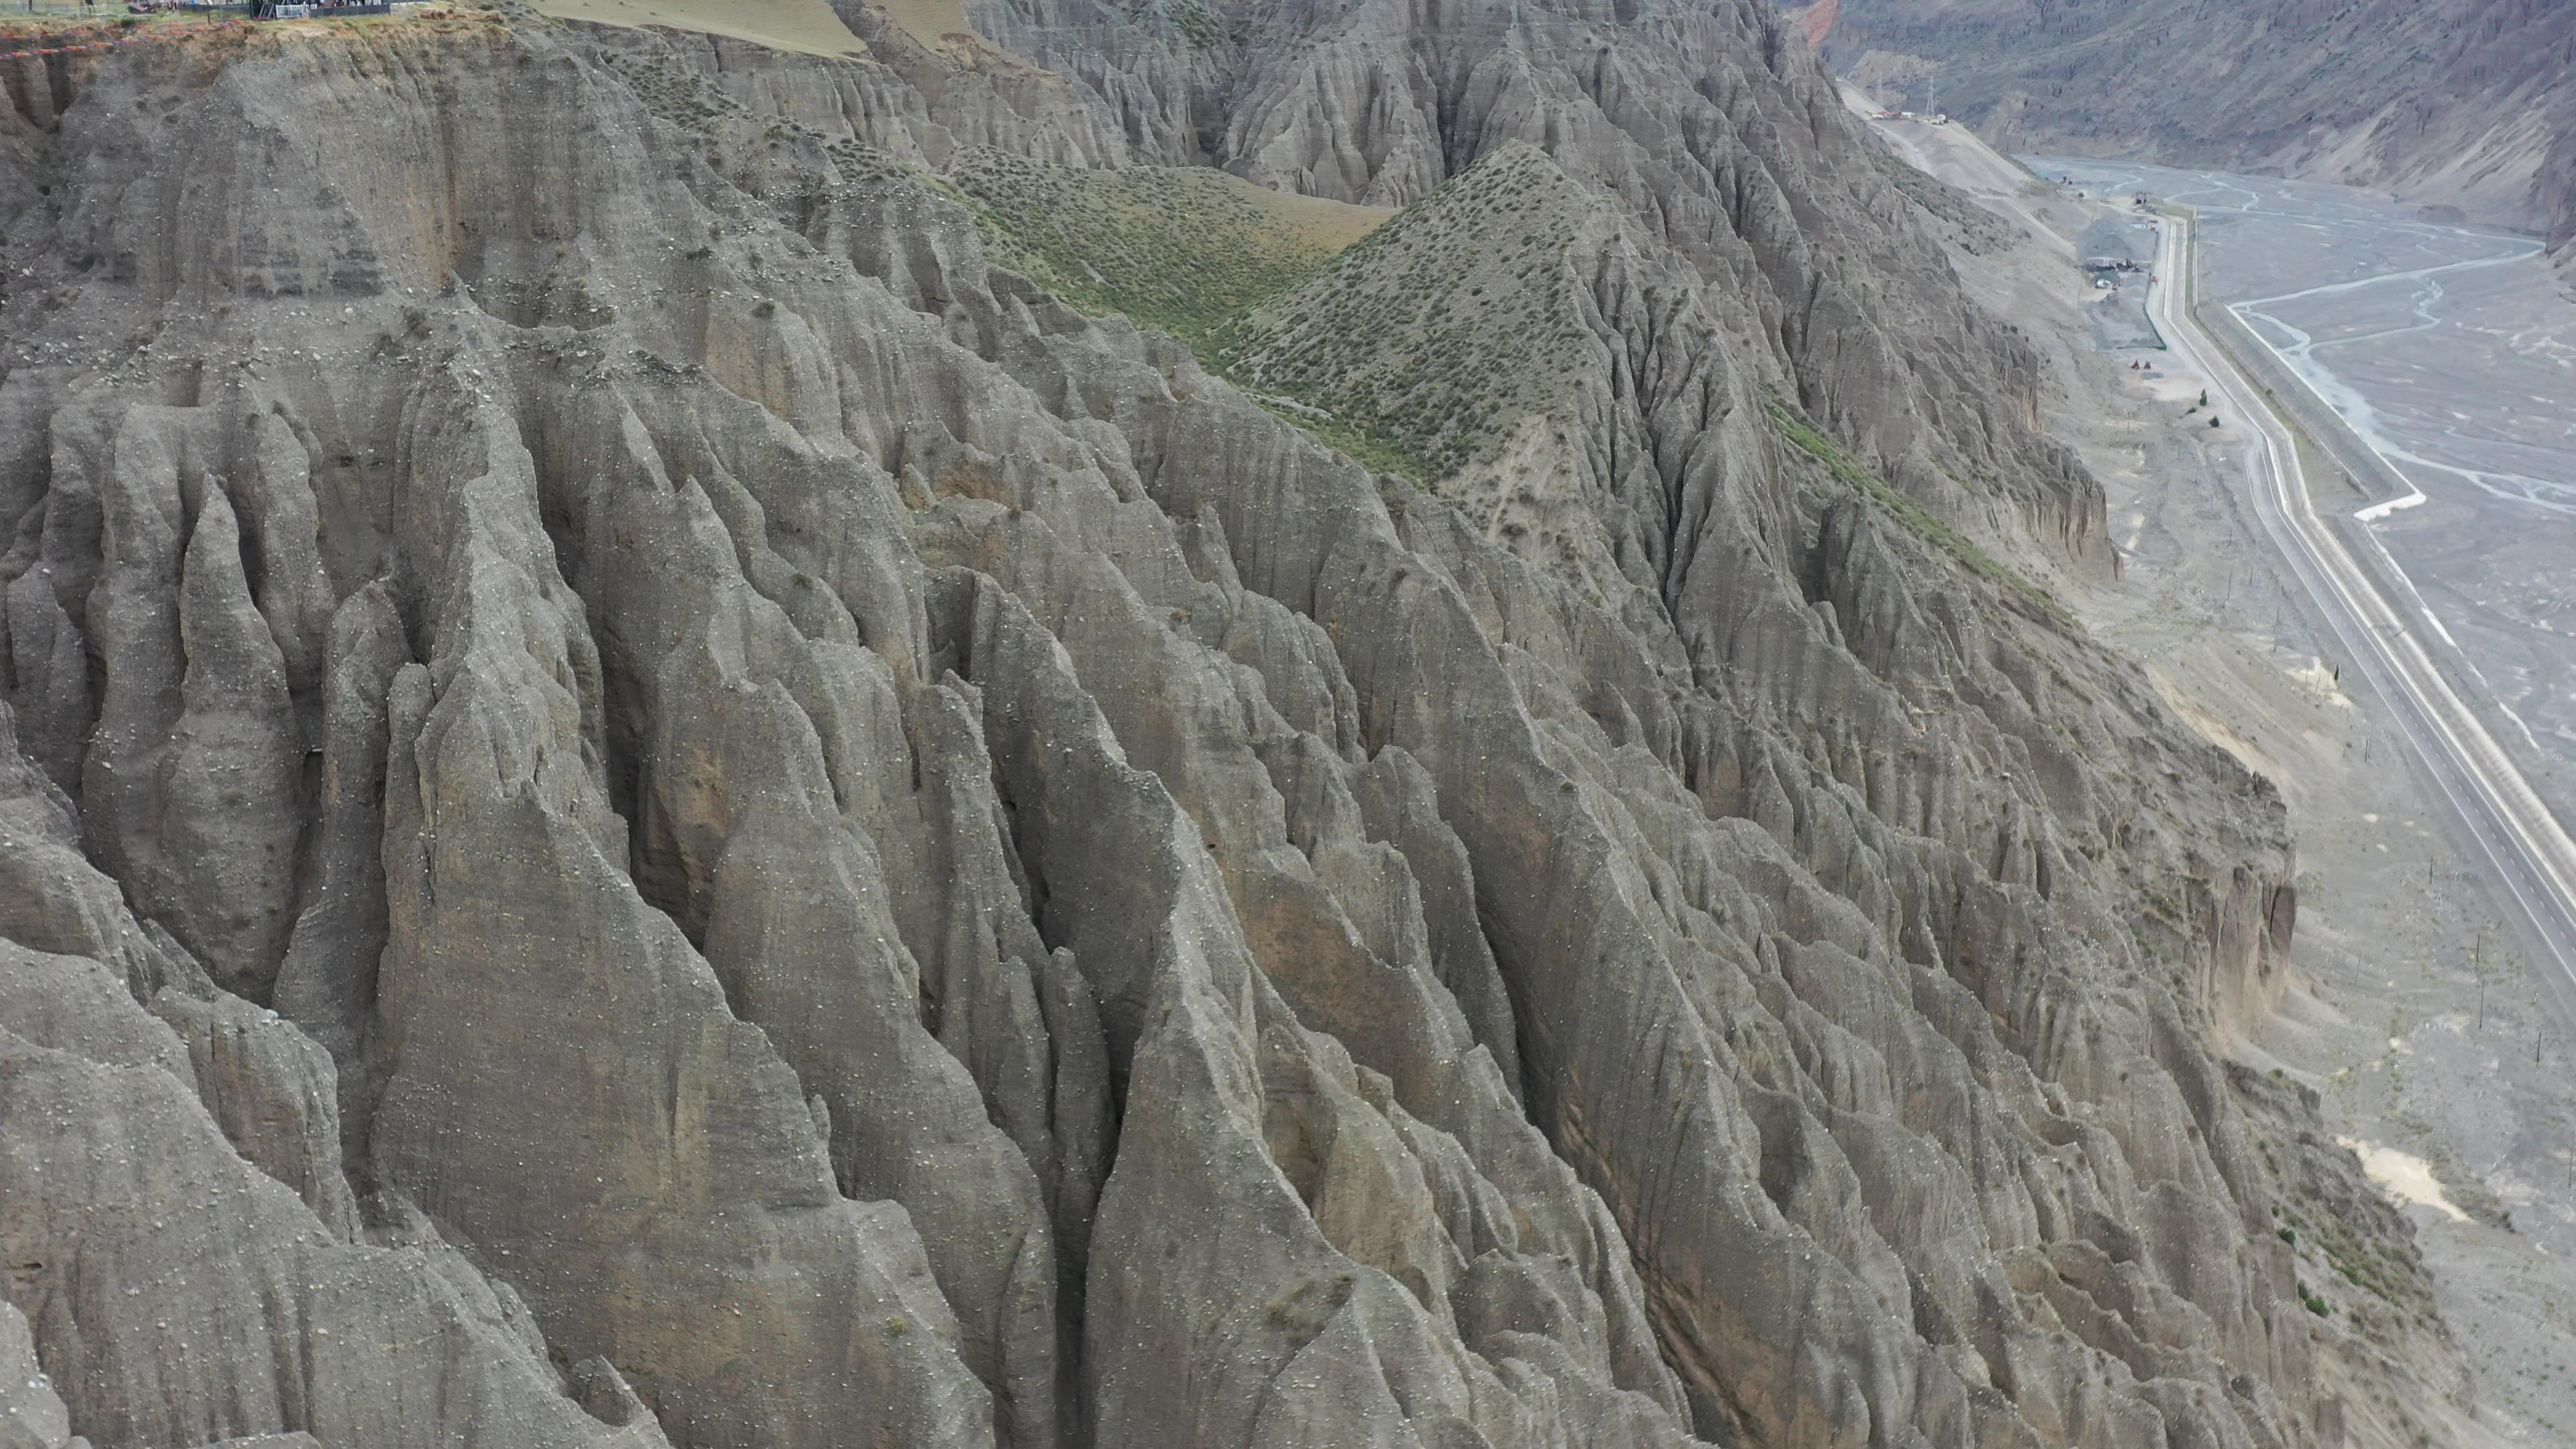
column 807, row 27
column 1192, row 251
column 1186, row 249
column 1432, row 337
column 1417, row 341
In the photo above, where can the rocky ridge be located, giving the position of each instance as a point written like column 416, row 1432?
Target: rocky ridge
column 647, row 803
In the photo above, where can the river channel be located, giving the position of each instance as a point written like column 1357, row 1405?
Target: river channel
column 2452, row 349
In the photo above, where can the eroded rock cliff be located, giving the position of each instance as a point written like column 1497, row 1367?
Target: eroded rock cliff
column 643, row 802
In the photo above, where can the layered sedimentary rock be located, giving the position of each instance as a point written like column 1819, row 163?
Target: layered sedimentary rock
column 635, row 779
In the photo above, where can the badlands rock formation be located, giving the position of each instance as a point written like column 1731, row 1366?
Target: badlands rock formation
column 642, row 802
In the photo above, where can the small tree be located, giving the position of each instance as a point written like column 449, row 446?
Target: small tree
column 2478, row 965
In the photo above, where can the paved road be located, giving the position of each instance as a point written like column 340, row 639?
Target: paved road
column 2529, row 849
column 2451, row 350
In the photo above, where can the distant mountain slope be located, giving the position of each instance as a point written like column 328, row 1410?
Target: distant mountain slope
column 2463, row 102
column 2557, row 189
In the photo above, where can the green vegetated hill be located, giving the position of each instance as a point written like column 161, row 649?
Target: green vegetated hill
column 1189, row 249
column 1411, row 339
column 1445, row 326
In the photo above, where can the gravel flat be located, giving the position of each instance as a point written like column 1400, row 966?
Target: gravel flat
column 2452, row 349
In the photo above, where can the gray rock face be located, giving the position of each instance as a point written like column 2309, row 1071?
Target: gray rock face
column 2555, row 187
column 32, row 1415
column 644, row 803
column 178, row 1295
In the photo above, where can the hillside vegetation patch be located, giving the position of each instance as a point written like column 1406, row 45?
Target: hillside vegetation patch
column 1848, row 470
column 1188, row 249
column 1415, row 341
column 1441, row 329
